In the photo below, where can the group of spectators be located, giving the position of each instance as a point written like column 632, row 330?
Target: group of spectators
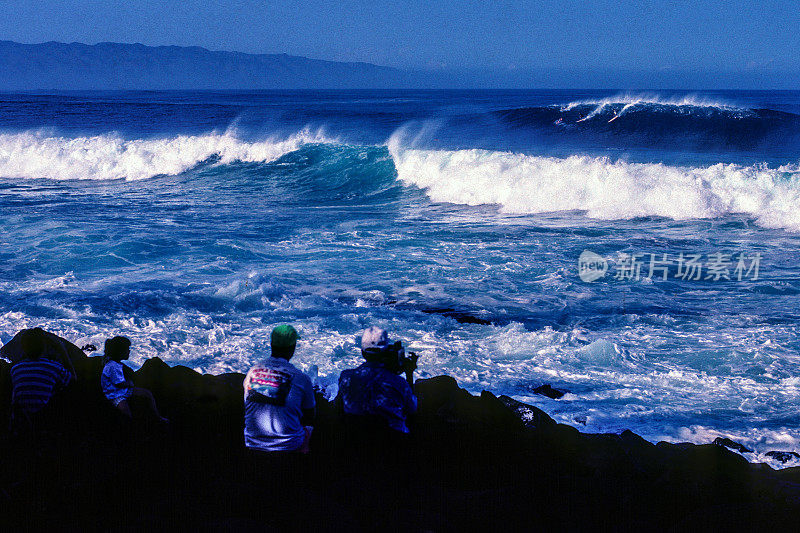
column 41, row 368
column 279, row 403
column 279, row 399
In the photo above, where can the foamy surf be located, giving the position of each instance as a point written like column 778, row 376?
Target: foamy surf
column 621, row 104
column 602, row 187
column 111, row 157
column 338, row 234
column 653, row 100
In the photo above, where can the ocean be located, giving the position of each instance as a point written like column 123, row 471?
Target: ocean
column 638, row 251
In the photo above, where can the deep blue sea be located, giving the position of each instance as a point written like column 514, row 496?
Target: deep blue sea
column 195, row 222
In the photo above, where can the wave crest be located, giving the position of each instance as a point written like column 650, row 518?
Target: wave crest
column 653, row 122
column 601, row 187
column 627, row 101
column 109, row 157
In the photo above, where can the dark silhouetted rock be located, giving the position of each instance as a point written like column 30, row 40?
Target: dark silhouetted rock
column 783, row 457
column 209, row 404
column 731, row 445
column 459, row 316
column 550, row 392
column 531, row 416
column 443, row 400
column 471, row 463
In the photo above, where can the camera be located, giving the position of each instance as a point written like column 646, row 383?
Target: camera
column 394, row 358
column 397, row 361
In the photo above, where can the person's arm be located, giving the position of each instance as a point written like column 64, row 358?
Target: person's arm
column 127, row 375
column 309, row 405
column 410, row 401
column 66, row 377
column 73, row 376
column 246, row 384
column 410, row 366
column 117, row 376
column 61, row 354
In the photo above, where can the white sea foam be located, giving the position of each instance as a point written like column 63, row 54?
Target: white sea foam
column 653, row 99
column 623, row 103
column 110, row 157
column 759, row 440
column 611, row 388
column 602, row 187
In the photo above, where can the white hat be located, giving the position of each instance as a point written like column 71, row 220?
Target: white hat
column 374, row 338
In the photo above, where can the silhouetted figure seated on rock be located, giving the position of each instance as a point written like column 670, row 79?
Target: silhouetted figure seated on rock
column 279, row 403
column 119, row 388
column 373, row 394
column 39, row 371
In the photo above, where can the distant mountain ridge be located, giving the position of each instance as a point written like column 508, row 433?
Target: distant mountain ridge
column 75, row 66
column 118, row 66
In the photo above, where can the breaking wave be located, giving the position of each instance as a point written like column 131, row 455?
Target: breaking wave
column 687, row 101
column 601, row 187
column 109, row 157
column 653, row 121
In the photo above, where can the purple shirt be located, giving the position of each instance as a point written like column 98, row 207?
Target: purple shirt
column 275, row 394
column 371, row 389
column 35, row 381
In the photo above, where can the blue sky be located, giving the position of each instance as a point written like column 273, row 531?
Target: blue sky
column 677, row 35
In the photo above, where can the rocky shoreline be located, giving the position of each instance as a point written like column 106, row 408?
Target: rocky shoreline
column 471, row 463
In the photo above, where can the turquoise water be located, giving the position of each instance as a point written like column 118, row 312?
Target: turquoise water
column 195, row 222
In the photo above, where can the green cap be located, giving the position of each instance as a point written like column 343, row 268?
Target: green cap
column 284, row 336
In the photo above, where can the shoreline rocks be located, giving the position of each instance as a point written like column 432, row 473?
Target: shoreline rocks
column 471, row 462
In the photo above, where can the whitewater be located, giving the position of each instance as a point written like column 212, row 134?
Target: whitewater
column 453, row 219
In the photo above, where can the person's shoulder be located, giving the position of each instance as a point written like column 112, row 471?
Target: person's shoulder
column 275, row 363
column 299, row 374
column 255, row 367
column 300, row 377
column 46, row 361
column 262, row 364
column 397, row 380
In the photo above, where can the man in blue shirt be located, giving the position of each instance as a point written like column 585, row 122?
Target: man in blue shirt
column 279, row 403
column 374, row 391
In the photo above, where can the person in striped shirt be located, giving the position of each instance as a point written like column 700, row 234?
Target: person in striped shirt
column 36, row 377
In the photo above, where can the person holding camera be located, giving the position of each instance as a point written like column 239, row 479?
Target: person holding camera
column 374, row 393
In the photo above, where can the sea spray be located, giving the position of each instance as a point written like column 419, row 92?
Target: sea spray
column 109, row 157
column 602, row 187
column 339, row 231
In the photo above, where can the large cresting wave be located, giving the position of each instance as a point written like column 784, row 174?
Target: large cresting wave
column 602, row 187
column 110, row 157
column 648, row 121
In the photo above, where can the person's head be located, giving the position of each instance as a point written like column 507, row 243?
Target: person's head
column 118, row 348
column 374, row 343
column 32, row 341
column 283, row 341
column 377, row 347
